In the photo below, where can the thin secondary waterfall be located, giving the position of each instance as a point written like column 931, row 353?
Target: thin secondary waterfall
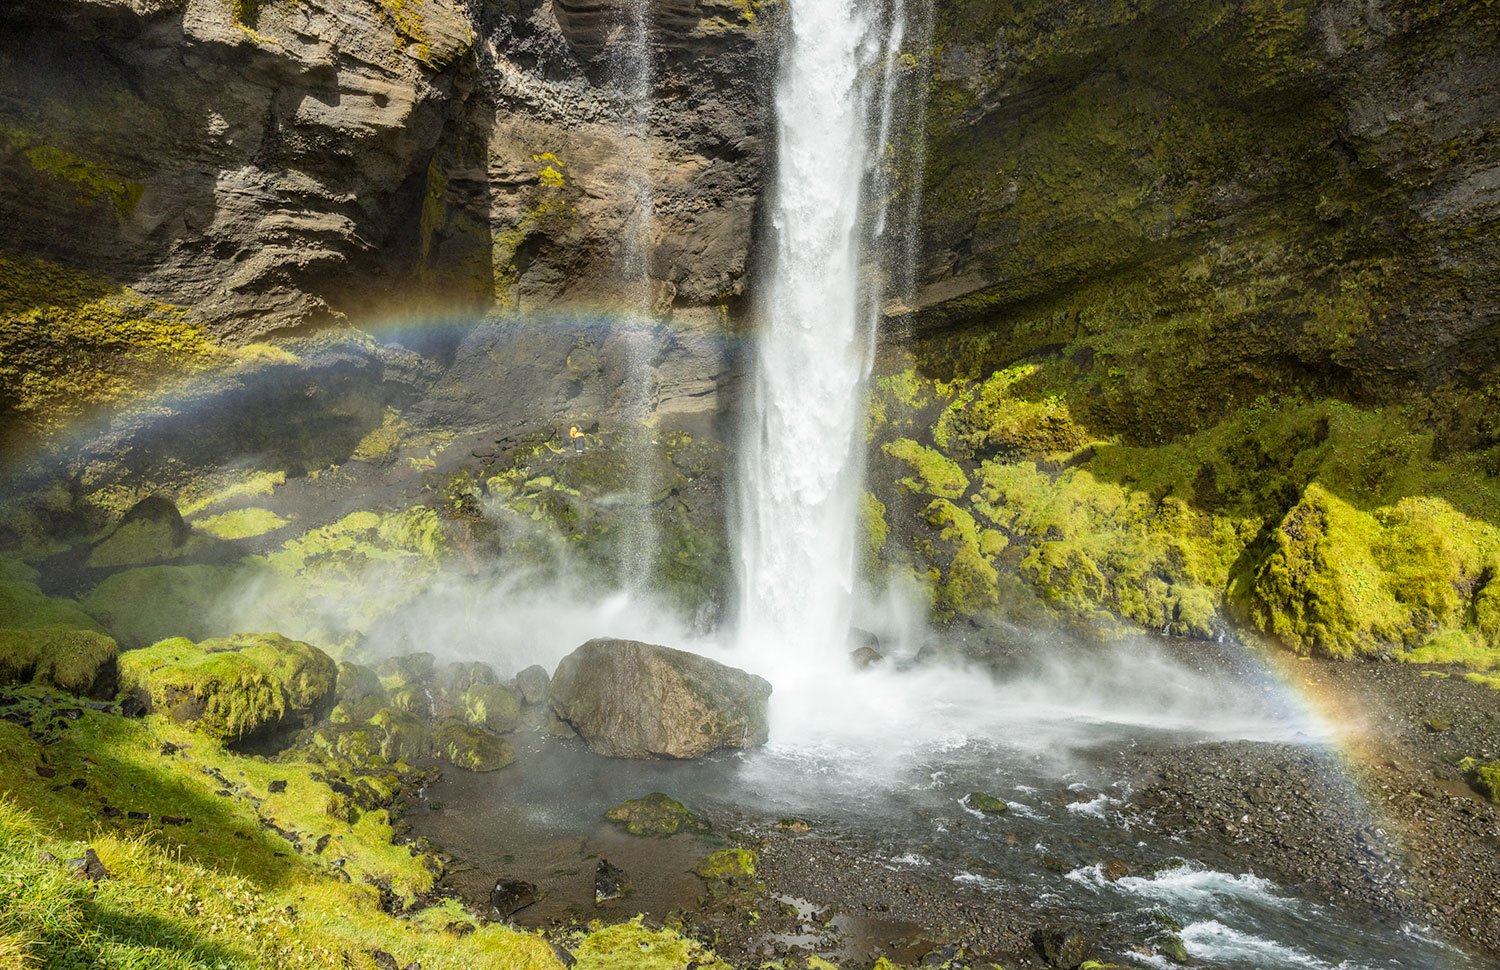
column 801, row 458
column 631, row 71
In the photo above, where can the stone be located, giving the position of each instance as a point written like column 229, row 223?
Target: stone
column 89, row 867
column 232, row 688
column 657, row 814
column 1115, row 869
column 866, row 657
column 533, row 683
column 629, row 699
column 471, row 748
column 1063, row 946
column 610, row 882
column 986, row 803
column 510, row 896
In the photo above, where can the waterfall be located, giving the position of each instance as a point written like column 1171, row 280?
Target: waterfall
column 802, row 453
column 631, row 72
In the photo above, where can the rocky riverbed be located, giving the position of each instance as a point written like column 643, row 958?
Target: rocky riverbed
column 1152, row 847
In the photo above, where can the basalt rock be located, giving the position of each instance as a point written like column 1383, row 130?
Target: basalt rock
column 629, row 699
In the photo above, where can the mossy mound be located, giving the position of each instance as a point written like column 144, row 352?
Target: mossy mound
column 232, row 687
column 77, row 661
column 23, row 606
column 656, row 814
column 471, row 748
column 1484, row 777
column 728, row 865
column 632, row 946
column 495, row 708
column 144, row 605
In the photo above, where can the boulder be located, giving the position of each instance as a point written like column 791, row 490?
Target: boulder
column 77, row 661
column 637, row 700
column 986, row 803
column 656, row 814
column 492, row 707
column 510, row 896
column 532, row 683
column 610, row 882
column 232, row 687
column 471, row 748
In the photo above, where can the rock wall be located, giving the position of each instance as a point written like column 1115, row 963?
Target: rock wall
column 1208, row 324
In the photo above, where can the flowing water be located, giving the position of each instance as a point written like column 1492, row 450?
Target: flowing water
column 800, row 466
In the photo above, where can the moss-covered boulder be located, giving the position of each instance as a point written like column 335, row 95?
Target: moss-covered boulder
column 152, row 531
column 234, row 687
column 656, row 814
column 407, row 670
column 986, row 804
column 359, row 693
column 23, row 605
column 77, row 661
column 728, row 865
column 459, row 677
column 142, row 606
column 471, row 748
column 492, row 707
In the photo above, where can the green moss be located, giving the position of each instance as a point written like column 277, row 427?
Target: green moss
column 873, row 529
column 142, row 541
column 91, row 181
column 379, row 446
column 993, row 421
column 655, row 815
column 231, row 687
column 632, row 946
column 246, row 523
column 1484, row 777
column 492, row 707
column 23, row 606
column 986, row 803
column 141, row 606
column 77, row 661
column 71, row 343
column 223, row 890
column 471, row 748
column 731, row 865
column 934, row 474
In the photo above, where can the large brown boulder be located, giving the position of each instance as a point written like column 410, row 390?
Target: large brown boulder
column 636, row 700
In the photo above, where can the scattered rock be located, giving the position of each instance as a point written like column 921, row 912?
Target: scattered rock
column 46, row 771
column 610, row 882
column 797, row 826
column 986, row 803
column 636, row 700
column 1063, row 946
column 1115, row 869
column 89, row 867
column 510, row 896
column 276, row 787
column 655, row 815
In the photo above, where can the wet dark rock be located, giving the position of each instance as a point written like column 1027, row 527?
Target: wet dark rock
column 564, row 956
column 46, row 771
column 109, row 811
column 610, row 882
column 1063, row 946
column 168, row 749
column 1115, row 869
column 175, row 820
column 510, row 896
column 89, row 867
column 1173, row 949
column 533, row 683
column 629, row 699
column 276, row 787
column 866, row 657
column 797, row 826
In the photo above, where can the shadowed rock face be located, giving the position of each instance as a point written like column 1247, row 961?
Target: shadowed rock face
column 275, row 165
column 636, row 700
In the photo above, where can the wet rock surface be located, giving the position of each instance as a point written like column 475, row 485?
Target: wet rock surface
column 636, row 700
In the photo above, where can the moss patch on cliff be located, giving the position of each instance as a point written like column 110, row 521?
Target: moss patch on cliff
column 70, row 343
column 1336, row 529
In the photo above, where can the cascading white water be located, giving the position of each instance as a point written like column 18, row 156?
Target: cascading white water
column 801, row 457
column 631, row 71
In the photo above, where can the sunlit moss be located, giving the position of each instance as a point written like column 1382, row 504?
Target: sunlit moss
column 246, row 523
column 933, row 473
column 632, row 946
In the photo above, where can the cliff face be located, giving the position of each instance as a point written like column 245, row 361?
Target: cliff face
column 277, row 164
column 1209, row 323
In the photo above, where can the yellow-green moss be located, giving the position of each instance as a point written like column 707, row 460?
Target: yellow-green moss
column 656, row 814
column 934, row 474
column 141, row 606
column 23, row 606
column 70, row 342
column 734, row 864
column 91, row 181
column 991, row 420
column 246, row 523
column 222, row 890
column 632, row 946
column 471, row 748
column 70, row 660
column 233, row 686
